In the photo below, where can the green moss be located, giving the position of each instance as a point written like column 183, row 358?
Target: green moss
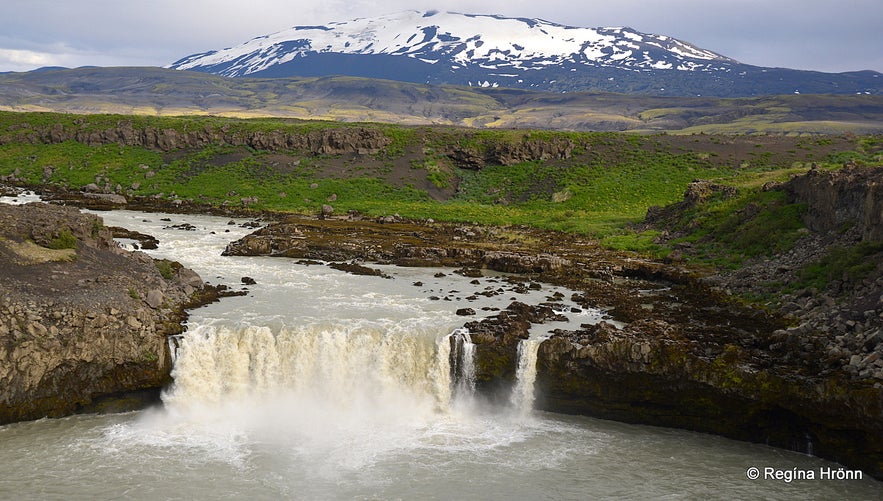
column 440, row 180
column 165, row 268
column 148, row 357
column 97, row 226
column 64, row 239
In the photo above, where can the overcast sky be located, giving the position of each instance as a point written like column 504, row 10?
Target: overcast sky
column 823, row 35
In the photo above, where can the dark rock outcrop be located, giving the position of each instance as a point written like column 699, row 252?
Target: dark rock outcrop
column 696, row 193
column 651, row 373
column 81, row 319
column 144, row 240
column 691, row 377
column 496, row 339
column 836, row 200
column 331, row 141
column 510, row 153
column 837, row 316
column 814, row 385
column 404, row 243
column 358, row 269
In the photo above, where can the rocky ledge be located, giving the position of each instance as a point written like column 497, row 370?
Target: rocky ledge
column 844, row 318
column 83, row 323
column 697, row 375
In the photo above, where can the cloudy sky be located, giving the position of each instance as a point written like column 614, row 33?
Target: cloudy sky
column 824, row 35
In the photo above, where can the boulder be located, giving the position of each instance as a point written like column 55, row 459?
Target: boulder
column 154, row 298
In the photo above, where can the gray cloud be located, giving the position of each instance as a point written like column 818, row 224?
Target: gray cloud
column 808, row 34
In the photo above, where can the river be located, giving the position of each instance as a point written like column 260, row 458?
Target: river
column 324, row 385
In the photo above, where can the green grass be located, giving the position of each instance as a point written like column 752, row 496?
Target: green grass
column 608, row 183
column 849, row 263
column 644, row 242
column 165, row 268
column 75, row 164
column 727, row 231
column 600, row 196
column 64, row 239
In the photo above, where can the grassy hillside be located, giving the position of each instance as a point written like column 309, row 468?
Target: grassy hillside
column 607, row 181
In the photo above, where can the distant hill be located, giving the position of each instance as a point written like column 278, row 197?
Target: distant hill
column 495, row 51
column 157, row 91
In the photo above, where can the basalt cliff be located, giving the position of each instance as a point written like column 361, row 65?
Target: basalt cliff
column 349, row 140
column 361, row 140
column 83, row 323
column 805, row 374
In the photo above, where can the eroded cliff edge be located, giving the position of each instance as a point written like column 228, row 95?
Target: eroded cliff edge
column 81, row 320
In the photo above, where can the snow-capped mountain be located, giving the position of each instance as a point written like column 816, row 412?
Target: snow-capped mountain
column 484, row 50
column 460, row 41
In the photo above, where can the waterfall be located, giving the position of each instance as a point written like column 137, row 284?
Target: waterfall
column 359, row 369
column 522, row 397
column 343, row 366
column 462, row 363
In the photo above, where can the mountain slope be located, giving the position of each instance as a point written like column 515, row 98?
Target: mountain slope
column 157, row 91
column 494, row 51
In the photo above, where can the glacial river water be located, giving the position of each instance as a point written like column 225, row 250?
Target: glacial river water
column 324, row 385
